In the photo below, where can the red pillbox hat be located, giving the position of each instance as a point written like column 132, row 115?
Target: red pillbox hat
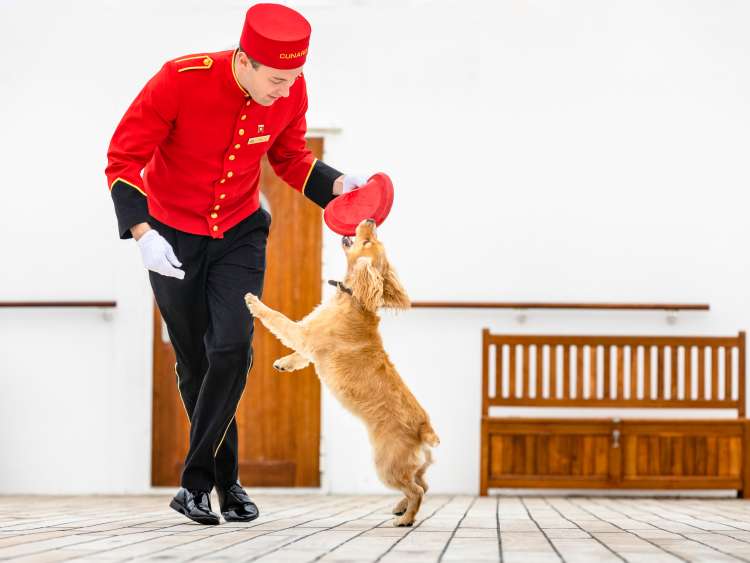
column 275, row 36
column 373, row 200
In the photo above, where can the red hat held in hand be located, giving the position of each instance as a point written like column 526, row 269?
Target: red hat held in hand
column 373, row 200
column 275, row 36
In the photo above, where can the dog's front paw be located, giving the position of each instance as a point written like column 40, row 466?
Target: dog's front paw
column 292, row 362
column 253, row 303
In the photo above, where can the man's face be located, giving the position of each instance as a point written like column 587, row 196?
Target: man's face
column 265, row 84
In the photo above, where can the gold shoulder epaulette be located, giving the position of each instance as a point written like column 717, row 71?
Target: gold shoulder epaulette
column 195, row 62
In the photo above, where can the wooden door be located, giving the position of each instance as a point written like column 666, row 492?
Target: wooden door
column 278, row 417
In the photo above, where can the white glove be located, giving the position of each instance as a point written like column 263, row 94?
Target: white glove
column 352, row 182
column 158, row 256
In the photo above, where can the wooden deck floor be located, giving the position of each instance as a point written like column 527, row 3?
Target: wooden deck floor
column 358, row 528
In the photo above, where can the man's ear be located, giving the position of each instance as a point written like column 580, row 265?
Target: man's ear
column 394, row 294
column 367, row 284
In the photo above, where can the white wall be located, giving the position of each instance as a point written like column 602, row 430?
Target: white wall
column 580, row 150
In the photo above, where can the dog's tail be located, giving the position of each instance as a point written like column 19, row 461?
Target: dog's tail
column 427, row 435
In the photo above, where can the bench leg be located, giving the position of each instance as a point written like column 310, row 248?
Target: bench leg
column 484, row 461
column 745, row 491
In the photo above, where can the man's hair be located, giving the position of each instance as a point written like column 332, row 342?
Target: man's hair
column 256, row 65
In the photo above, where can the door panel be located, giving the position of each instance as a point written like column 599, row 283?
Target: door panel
column 682, row 454
column 551, row 453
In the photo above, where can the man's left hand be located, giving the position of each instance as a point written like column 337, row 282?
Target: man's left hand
column 348, row 182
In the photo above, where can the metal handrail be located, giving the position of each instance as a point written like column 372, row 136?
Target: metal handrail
column 552, row 305
column 58, row 304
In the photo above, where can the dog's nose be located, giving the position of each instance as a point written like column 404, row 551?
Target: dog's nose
column 371, row 221
column 346, row 241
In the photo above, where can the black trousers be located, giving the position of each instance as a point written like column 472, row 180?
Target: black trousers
column 211, row 331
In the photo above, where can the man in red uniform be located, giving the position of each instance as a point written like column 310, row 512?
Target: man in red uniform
column 183, row 170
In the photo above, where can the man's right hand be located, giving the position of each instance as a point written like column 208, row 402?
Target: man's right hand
column 158, row 256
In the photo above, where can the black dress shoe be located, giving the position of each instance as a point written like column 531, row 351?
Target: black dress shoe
column 235, row 505
column 196, row 505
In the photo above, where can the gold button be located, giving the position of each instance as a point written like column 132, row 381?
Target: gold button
column 222, row 196
column 216, row 227
column 207, row 61
column 214, row 215
column 222, row 180
column 231, row 157
column 243, row 118
column 230, row 174
column 237, row 146
column 217, row 207
column 242, row 132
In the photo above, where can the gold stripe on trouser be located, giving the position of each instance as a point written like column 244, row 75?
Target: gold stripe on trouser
column 180, row 392
column 225, row 432
column 235, row 410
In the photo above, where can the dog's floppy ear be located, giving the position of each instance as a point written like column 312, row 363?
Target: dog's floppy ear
column 394, row 294
column 367, row 284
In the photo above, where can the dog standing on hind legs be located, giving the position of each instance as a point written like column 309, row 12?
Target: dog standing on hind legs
column 341, row 338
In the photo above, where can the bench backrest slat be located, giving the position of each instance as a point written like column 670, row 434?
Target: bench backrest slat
column 613, row 371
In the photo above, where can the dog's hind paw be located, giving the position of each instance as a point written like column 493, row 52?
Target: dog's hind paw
column 278, row 366
column 403, row 522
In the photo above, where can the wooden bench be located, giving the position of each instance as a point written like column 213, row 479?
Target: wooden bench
column 614, row 372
